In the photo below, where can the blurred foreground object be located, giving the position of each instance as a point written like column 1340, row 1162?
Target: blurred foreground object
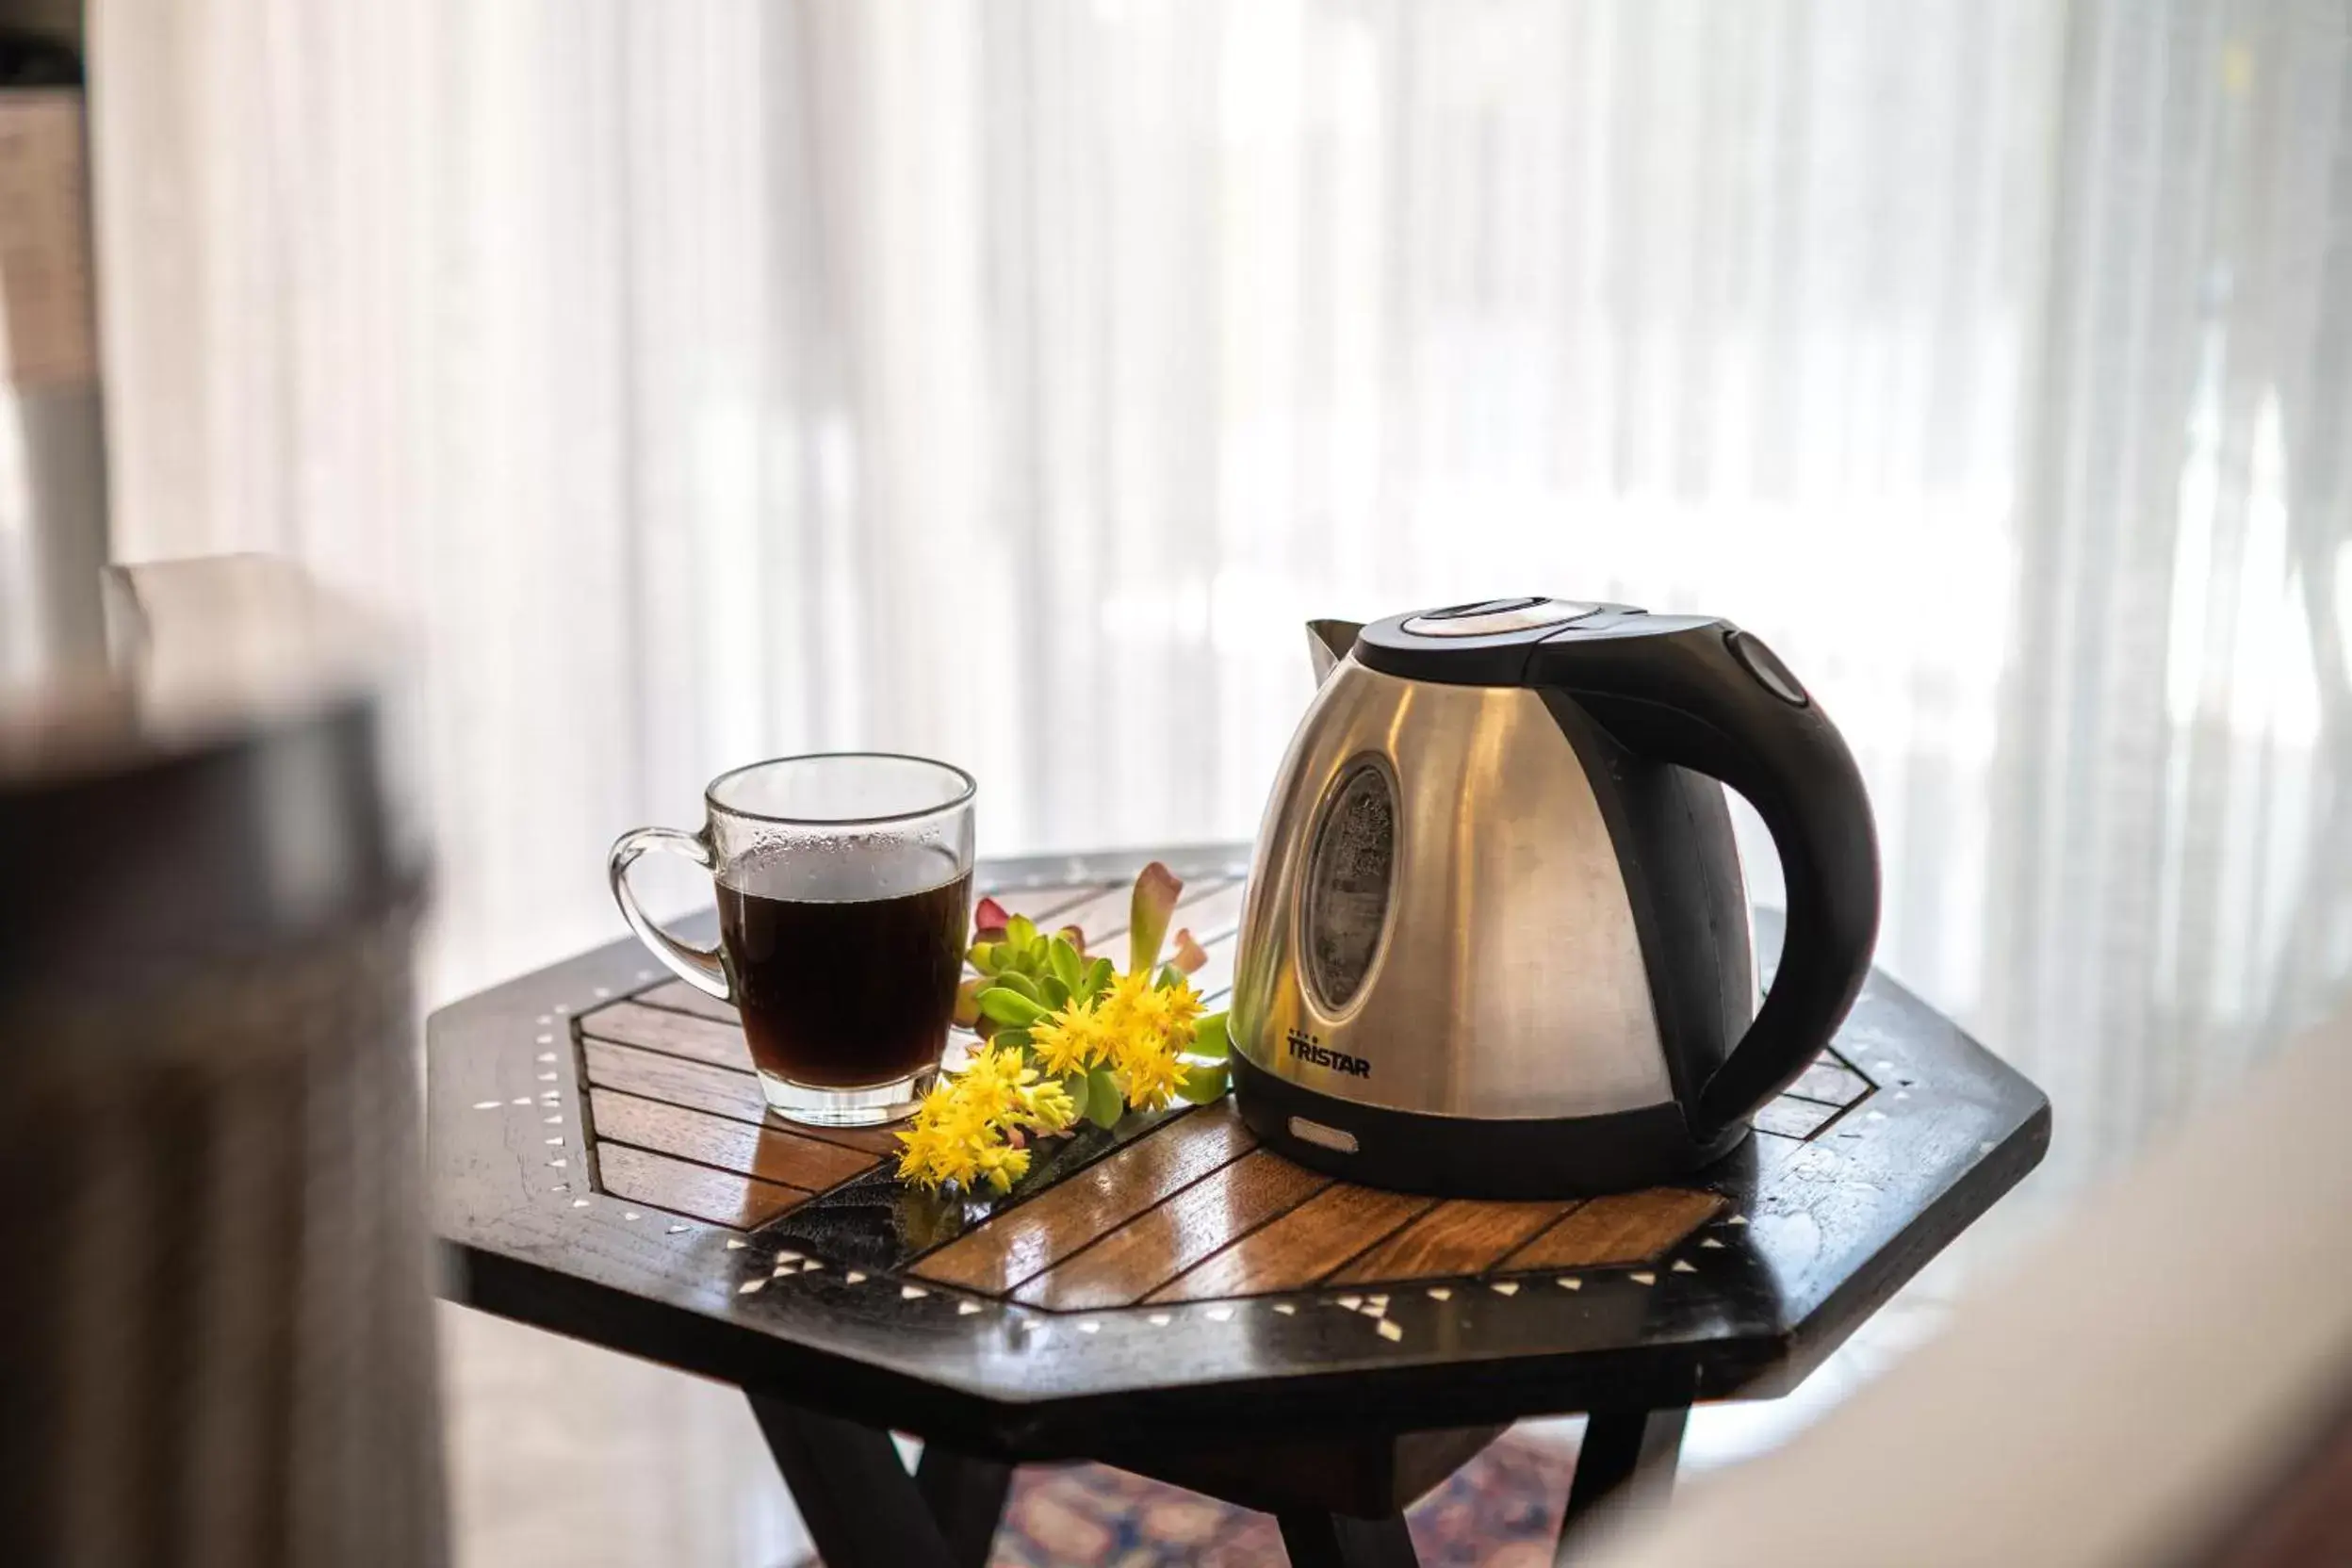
column 53, row 455
column 2166, row 1380
column 215, row 1341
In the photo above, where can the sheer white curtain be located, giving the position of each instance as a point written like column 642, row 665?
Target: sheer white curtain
column 704, row 379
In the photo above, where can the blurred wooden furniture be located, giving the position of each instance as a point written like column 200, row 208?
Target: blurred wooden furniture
column 1164, row 1295
column 216, row 1332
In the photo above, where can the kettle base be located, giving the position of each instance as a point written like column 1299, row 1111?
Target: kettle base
column 1452, row 1156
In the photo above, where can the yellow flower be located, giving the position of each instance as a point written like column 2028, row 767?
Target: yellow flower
column 991, row 1072
column 914, row 1160
column 960, row 1133
column 1051, row 1108
column 1151, row 1071
column 930, row 1154
column 935, row 1101
column 963, row 1132
column 1000, row 1165
column 1135, row 1002
column 1072, row 1039
column 1184, row 1008
column 947, row 1127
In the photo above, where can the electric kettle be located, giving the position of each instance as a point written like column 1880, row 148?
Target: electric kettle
column 1496, row 939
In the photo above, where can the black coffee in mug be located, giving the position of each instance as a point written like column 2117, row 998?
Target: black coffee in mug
column 841, row 985
column 844, row 889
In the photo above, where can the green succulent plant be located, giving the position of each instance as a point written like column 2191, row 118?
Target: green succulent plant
column 1025, row 977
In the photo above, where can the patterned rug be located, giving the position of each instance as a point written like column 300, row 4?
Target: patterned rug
column 1499, row 1511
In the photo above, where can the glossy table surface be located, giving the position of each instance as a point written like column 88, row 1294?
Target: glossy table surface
column 602, row 1166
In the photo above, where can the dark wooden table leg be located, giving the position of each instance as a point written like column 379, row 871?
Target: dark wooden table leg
column 967, row 1496
column 1622, row 1448
column 861, row 1506
column 1337, row 1541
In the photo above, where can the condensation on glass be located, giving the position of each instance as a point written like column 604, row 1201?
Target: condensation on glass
column 1348, row 880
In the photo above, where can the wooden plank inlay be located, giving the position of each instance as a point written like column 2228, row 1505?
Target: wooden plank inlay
column 1130, row 1262
column 1212, row 914
column 1831, row 1082
column 1103, row 917
column 1461, row 1235
column 1216, row 977
column 679, row 997
column 1300, row 1247
column 1028, row 1239
column 1794, row 1119
column 1099, row 918
column 698, row 1087
column 1631, row 1227
column 721, row 1196
column 1041, row 905
column 652, row 1076
column 871, row 1140
column 699, row 1039
column 768, row 1151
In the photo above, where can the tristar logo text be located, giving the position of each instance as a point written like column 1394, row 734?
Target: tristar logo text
column 1306, row 1048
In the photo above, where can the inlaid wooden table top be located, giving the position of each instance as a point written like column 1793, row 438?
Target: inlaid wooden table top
column 602, row 1166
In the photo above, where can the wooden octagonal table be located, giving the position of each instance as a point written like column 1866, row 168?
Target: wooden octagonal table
column 1165, row 1296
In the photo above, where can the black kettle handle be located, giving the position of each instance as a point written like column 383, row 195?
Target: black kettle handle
column 1708, row 696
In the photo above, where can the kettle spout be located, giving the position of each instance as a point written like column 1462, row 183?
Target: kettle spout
column 1327, row 643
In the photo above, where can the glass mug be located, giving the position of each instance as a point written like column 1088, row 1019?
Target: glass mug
column 844, row 889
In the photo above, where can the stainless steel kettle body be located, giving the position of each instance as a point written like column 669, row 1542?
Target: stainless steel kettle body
column 1496, row 940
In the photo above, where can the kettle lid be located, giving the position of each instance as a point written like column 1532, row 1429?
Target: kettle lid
column 1496, row 617
column 1487, row 641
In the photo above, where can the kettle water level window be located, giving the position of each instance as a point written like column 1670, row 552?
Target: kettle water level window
column 1348, row 874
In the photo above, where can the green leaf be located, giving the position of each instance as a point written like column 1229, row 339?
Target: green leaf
column 1010, row 1037
column 1020, row 931
column 1206, row 1083
column 1166, row 979
column 1055, row 994
column 967, row 1002
column 1006, row 1005
column 1066, row 964
column 1209, row 1039
column 1104, row 1103
column 1016, row 981
column 1156, row 891
column 982, row 956
column 1099, row 976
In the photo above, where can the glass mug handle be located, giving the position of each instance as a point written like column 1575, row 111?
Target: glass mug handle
column 699, row 967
